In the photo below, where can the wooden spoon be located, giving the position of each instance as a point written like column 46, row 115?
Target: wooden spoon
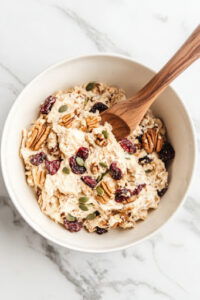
column 124, row 116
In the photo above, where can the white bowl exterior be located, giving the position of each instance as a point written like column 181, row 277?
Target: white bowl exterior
column 130, row 76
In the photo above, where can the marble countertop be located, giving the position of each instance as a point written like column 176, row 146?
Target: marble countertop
column 36, row 34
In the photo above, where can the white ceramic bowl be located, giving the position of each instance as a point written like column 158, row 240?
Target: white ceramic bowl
column 131, row 76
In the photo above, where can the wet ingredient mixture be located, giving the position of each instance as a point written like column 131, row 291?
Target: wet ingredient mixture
column 81, row 175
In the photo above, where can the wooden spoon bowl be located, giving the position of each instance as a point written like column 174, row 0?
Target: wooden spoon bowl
column 124, row 116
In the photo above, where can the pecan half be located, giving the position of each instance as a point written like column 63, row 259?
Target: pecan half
column 38, row 135
column 152, row 140
column 66, row 120
column 107, row 188
column 101, row 140
column 92, row 122
column 106, row 193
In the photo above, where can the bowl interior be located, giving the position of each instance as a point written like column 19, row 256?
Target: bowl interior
column 112, row 70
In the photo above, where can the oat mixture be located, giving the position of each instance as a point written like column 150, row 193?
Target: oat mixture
column 81, row 175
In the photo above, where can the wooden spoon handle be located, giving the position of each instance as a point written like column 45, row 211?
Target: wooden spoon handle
column 183, row 58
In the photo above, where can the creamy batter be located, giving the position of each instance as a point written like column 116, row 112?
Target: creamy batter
column 81, row 175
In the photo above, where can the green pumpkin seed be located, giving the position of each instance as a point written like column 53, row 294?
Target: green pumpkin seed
column 83, row 207
column 100, row 191
column 70, row 218
column 83, row 199
column 102, row 164
column 148, row 171
column 86, row 101
column 105, row 133
column 103, row 174
column 127, row 157
column 66, row 170
column 90, row 86
column 99, row 178
column 80, row 161
column 63, row 108
column 91, row 216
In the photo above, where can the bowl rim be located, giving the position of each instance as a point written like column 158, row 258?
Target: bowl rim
column 8, row 185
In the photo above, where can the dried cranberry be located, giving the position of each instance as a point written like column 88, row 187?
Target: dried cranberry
column 91, row 182
column 115, row 172
column 77, row 169
column 167, row 152
column 144, row 160
column 128, row 146
column 73, row 226
column 38, row 158
column 161, row 192
column 83, row 152
column 100, row 230
column 47, row 105
column 98, row 106
column 52, row 166
column 122, row 195
column 138, row 189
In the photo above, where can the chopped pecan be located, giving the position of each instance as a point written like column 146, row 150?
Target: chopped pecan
column 102, row 199
column 107, row 188
column 152, row 140
column 83, row 128
column 29, row 176
column 38, row 135
column 58, row 194
column 101, row 140
column 94, row 168
column 92, row 122
column 40, row 178
column 66, row 120
column 106, row 193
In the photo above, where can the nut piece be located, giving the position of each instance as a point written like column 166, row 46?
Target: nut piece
column 29, row 176
column 107, row 188
column 92, row 122
column 66, row 120
column 38, row 135
column 102, row 199
column 35, row 177
column 59, row 195
column 101, row 140
column 83, row 128
column 52, row 144
column 39, row 178
column 152, row 140
column 107, row 193
column 94, row 168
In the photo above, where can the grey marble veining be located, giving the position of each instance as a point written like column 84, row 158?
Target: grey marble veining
column 100, row 40
column 37, row 33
